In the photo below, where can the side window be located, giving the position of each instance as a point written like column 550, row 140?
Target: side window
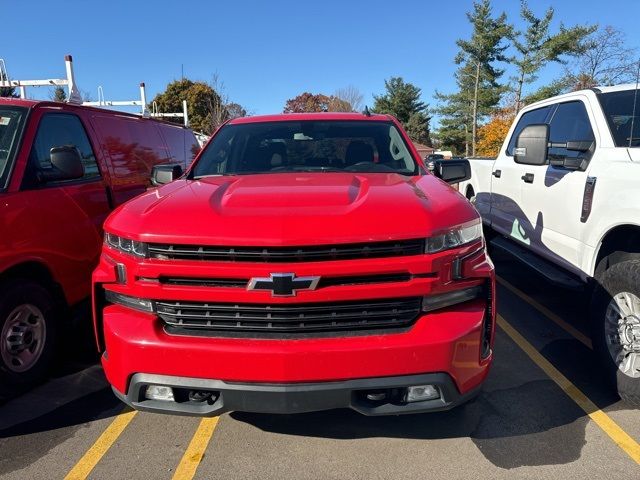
column 58, row 129
column 570, row 123
column 538, row 115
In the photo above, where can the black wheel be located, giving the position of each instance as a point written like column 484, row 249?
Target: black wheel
column 615, row 326
column 27, row 332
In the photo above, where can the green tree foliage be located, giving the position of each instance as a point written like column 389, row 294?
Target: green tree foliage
column 7, row 91
column 551, row 89
column 206, row 109
column 536, row 46
column 402, row 100
column 453, row 133
column 477, row 77
column 58, row 94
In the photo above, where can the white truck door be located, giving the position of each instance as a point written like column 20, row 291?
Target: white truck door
column 507, row 213
column 551, row 195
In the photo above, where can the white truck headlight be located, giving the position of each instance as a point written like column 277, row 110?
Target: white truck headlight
column 455, row 237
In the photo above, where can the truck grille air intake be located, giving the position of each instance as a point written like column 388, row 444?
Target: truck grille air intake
column 291, row 318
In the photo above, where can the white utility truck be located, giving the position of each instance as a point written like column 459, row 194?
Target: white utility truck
column 563, row 196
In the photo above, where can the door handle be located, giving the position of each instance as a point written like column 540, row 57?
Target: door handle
column 527, row 177
column 497, row 173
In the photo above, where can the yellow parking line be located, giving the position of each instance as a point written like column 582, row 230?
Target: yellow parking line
column 577, row 334
column 87, row 463
column 608, row 426
column 195, row 451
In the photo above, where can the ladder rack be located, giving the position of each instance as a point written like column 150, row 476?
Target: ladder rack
column 69, row 82
column 73, row 95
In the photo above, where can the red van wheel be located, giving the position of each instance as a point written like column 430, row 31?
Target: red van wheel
column 27, row 332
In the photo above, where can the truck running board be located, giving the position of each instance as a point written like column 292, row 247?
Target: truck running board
column 553, row 274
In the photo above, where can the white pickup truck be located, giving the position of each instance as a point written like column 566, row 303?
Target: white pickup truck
column 563, row 196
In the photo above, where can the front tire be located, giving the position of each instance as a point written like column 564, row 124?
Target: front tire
column 615, row 324
column 27, row 332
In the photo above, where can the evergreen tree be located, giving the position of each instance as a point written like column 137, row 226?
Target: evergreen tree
column 536, row 47
column 58, row 94
column 7, row 91
column 402, row 100
column 477, row 77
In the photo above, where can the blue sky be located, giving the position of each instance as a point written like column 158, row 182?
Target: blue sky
column 264, row 51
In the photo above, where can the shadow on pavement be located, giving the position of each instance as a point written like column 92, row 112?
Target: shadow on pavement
column 525, row 425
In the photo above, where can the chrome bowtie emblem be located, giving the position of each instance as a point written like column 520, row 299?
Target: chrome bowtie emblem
column 283, row 284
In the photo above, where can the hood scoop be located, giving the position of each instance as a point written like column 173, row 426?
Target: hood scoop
column 295, row 192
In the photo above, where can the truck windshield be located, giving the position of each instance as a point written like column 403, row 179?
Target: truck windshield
column 306, row 146
column 11, row 122
column 618, row 108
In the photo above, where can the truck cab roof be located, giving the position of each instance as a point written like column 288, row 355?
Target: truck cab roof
column 330, row 116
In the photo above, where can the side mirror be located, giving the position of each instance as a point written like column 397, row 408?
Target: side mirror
column 452, row 171
column 66, row 162
column 532, row 144
column 162, row 174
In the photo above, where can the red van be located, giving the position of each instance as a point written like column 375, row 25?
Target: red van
column 63, row 168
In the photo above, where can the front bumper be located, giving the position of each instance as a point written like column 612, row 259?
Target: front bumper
column 447, row 342
column 293, row 398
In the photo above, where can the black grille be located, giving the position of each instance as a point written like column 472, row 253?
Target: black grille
column 293, row 318
column 324, row 281
column 288, row 254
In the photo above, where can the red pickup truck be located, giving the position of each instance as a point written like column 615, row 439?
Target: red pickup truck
column 63, row 168
column 304, row 262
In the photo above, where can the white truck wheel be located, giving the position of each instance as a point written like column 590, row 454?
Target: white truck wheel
column 615, row 323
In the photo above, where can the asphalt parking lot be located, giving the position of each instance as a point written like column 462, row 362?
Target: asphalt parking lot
column 543, row 414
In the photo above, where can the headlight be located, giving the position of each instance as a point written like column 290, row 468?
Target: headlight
column 125, row 245
column 136, row 303
column 456, row 237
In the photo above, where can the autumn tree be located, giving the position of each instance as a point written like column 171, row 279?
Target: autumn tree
column 536, row 46
column 491, row 135
column 402, row 100
column 338, row 105
column 307, row 103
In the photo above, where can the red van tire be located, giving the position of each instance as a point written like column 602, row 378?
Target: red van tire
column 28, row 332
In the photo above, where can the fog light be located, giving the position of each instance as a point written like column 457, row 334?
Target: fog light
column 159, row 392
column 420, row 393
column 376, row 396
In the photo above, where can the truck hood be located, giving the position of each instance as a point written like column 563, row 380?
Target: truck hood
column 292, row 209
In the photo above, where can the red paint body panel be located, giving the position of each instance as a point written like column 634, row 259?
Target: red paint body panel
column 441, row 342
column 295, row 209
column 59, row 227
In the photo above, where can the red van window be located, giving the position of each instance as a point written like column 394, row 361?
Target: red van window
column 133, row 145
column 182, row 144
